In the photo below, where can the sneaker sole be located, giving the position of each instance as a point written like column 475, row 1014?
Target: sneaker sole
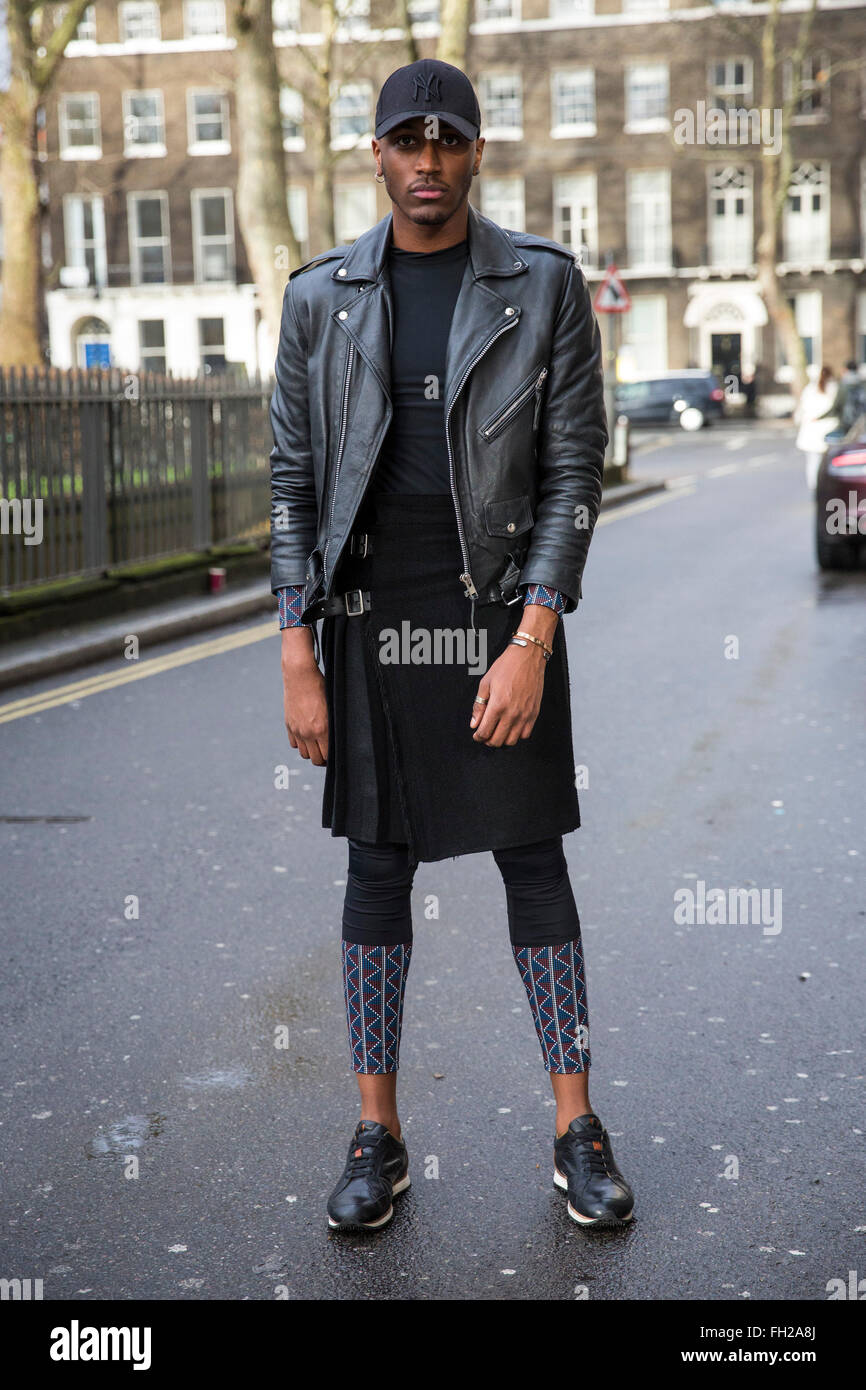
column 562, row 1183
column 399, row 1186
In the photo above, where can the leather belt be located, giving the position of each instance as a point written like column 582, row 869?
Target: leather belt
column 349, row 605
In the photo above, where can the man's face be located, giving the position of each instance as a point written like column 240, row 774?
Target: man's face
column 428, row 168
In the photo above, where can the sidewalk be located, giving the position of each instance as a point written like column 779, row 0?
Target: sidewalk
column 69, row 648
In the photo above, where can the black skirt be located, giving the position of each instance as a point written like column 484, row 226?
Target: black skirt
column 403, row 766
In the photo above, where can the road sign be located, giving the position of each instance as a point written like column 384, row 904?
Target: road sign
column 612, row 297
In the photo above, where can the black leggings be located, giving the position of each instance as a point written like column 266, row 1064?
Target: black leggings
column 541, row 906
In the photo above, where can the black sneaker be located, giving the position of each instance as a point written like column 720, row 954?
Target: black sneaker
column 377, row 1168
column 598, row 1194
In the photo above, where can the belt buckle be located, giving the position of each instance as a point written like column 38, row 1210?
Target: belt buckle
column 515, row 598
column 358, row 544
column 351, row 611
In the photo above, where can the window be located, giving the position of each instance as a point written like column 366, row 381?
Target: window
column 642, row 6
column 501, row 99
column 139, row 22
column 213, row 234
column 143, row 124
column 502, row 200
column 353, row 15
column 729, row 84
column 496, row 9
column 299, row 217
column 287, row 16
column 292, row 116
column 86, row 31
column 354, row 209
column 807, row 215
column 204, row 19
column 646, row 97
column 351, row 113
column 649, row 218
column 423, row 12
column 151, row 345
column 813, row 88
column 730, row 216
column 84, row 235
column 807, row 311
column 149, row 249
column 80, row 136
column 212, row 345
column 208, row 122
column 573, row 102
column 644, row 349
column 575, row 215
column 571, row 9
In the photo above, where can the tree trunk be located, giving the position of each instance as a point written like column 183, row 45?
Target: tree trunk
column 270, row 241
column 22, row 271
column 453, row 33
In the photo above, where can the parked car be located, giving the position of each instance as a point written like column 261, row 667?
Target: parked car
column 694, row 398
column 840, row 499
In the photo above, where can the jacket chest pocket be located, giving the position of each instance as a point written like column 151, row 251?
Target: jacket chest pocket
column 530, row 389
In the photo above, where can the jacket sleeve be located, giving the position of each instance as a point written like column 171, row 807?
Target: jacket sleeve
column 294, row 509
column 572, row 438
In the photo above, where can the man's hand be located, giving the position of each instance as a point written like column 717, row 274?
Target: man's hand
column 514, row 684
column 304, row 703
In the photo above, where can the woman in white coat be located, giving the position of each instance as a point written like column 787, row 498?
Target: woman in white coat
column 813, row 415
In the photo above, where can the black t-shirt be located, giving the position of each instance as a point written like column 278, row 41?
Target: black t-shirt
column 424, row 290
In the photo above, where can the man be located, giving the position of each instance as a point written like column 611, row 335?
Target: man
column 436, row 476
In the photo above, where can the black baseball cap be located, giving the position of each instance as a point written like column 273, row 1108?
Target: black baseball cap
column 428, row 88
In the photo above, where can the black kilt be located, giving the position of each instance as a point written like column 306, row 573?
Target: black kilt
column 403, row 766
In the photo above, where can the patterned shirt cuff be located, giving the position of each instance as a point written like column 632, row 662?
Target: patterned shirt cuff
column 290, row 605
column 545, row 596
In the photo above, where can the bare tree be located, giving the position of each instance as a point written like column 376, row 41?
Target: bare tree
column 263, row 213
column 36, row 48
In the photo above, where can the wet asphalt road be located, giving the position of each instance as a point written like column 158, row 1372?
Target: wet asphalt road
column 733, row 1088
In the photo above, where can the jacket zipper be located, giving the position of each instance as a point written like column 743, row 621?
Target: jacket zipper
column 345, row 414
column 510, row 410
column 466, row 578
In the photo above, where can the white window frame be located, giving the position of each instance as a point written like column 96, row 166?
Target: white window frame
column 806, row 177
column 145, row 353
column 134, row 149
column 197, row 196
column 189, row 9
column 729, row 95
column 136, row 243
column 366, row 195
column 816, row 61
column 571, row 9
column 644, row 353
column 86, row 30
column 485, row 12
column 126, row 10
column 488, row 98
column 76, row 243
column 195, row 146
column 577, row 194
column 644, row 6
column 503, row 200
column 287, row 16
column 637, row 220
column 561, row 130
column 646, row 125
column 722, row 185
column 291, row 96
column 351, row 140
column 68, row 151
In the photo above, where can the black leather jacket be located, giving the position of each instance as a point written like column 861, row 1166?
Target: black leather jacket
column 524, row 412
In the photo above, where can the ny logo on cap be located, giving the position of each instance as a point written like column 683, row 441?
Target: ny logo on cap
column 432, row 91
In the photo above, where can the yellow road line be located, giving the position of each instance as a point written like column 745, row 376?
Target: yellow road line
column 92, row 685
column 644, row 504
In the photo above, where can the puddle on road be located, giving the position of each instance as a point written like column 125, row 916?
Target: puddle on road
column 218, row 1079
column 127, row 1135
